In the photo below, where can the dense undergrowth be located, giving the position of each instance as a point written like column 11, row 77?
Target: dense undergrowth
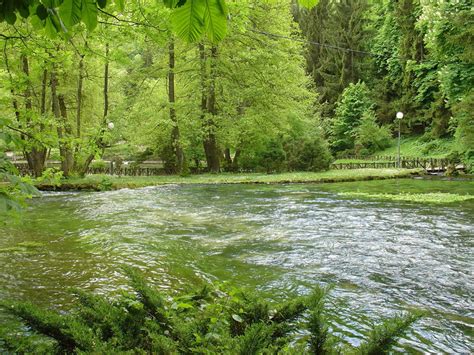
column 210, row 321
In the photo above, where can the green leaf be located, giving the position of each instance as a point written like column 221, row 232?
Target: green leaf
column 120, row 4
column 170, row 3
column 89, row 14
column 174, row 3
column 308, row 3
column 188, row 20
column 50, row 28
column 41, row 12
column 70, row 12
column 237, row 318
column 10, row 17
column 215, row 20
column 102, row 3
column 24, row 11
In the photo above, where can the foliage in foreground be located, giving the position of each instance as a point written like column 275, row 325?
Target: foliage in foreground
column 207, row 321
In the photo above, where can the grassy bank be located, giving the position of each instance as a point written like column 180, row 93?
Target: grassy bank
column 103, row 182
column 417, row 147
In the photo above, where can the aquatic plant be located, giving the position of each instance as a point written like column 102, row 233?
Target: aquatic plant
column 432, row 197
column 213, row 319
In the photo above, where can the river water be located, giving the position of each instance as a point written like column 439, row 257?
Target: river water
column 382, row 257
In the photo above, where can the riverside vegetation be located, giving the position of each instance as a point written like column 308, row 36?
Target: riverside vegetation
column 213, row 320
column 226, row 86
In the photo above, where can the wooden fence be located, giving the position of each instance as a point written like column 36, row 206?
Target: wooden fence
column 128, row 171
column 110, row 169
column 428, row 164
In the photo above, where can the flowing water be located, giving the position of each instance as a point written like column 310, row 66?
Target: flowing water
column 382, row 257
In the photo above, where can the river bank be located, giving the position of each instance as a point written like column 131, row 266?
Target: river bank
column 106, row 182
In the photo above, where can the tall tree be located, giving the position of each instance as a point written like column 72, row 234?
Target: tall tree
column 340, row 31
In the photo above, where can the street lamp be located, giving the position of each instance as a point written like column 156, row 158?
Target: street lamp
column 399, row 118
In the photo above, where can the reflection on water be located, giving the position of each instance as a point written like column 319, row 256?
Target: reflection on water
column 382, row 256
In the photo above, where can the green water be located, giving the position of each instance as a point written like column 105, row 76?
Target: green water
column 382, row 256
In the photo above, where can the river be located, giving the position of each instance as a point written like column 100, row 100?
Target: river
column 382, row 256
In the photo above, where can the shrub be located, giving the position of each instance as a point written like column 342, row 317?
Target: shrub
column 273, row 156
column 369, row 136
column 211, row 320
column 99, row 164
column 310, row 153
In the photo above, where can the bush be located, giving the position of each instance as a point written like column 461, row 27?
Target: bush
column 273, row 156
column 308, row 154
column 99, row 164
column 211, row 320
column 369, row 136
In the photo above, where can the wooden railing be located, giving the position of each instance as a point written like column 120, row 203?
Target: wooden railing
column 109, row 169
column 428, row 164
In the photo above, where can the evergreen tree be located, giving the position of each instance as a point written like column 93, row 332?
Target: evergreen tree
column 339, row 26
column 355, row 102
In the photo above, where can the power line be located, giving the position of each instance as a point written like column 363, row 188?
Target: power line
column 306, row 41
column 274, row 35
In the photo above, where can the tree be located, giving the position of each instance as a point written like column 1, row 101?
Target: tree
column 337, row 61
column 450, row 38
column 355, row 102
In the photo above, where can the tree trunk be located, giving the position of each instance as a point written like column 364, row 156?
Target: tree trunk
column 36, row 155
column 99, row 142
column 77, row 159
column 79, row 96
column 175, row 134
column 208, row 104
column 235, row 161
column 60, row 112
column 228, row 159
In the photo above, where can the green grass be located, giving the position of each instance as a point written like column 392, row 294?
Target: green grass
column 432, row 197
column 416, row 147
column 103, row 182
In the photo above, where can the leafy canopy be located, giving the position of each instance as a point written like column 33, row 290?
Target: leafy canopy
column 191, row 19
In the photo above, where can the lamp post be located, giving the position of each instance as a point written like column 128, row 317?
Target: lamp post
column 399, row 117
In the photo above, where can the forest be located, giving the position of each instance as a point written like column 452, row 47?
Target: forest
column 276, row 86
column 238, row 177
